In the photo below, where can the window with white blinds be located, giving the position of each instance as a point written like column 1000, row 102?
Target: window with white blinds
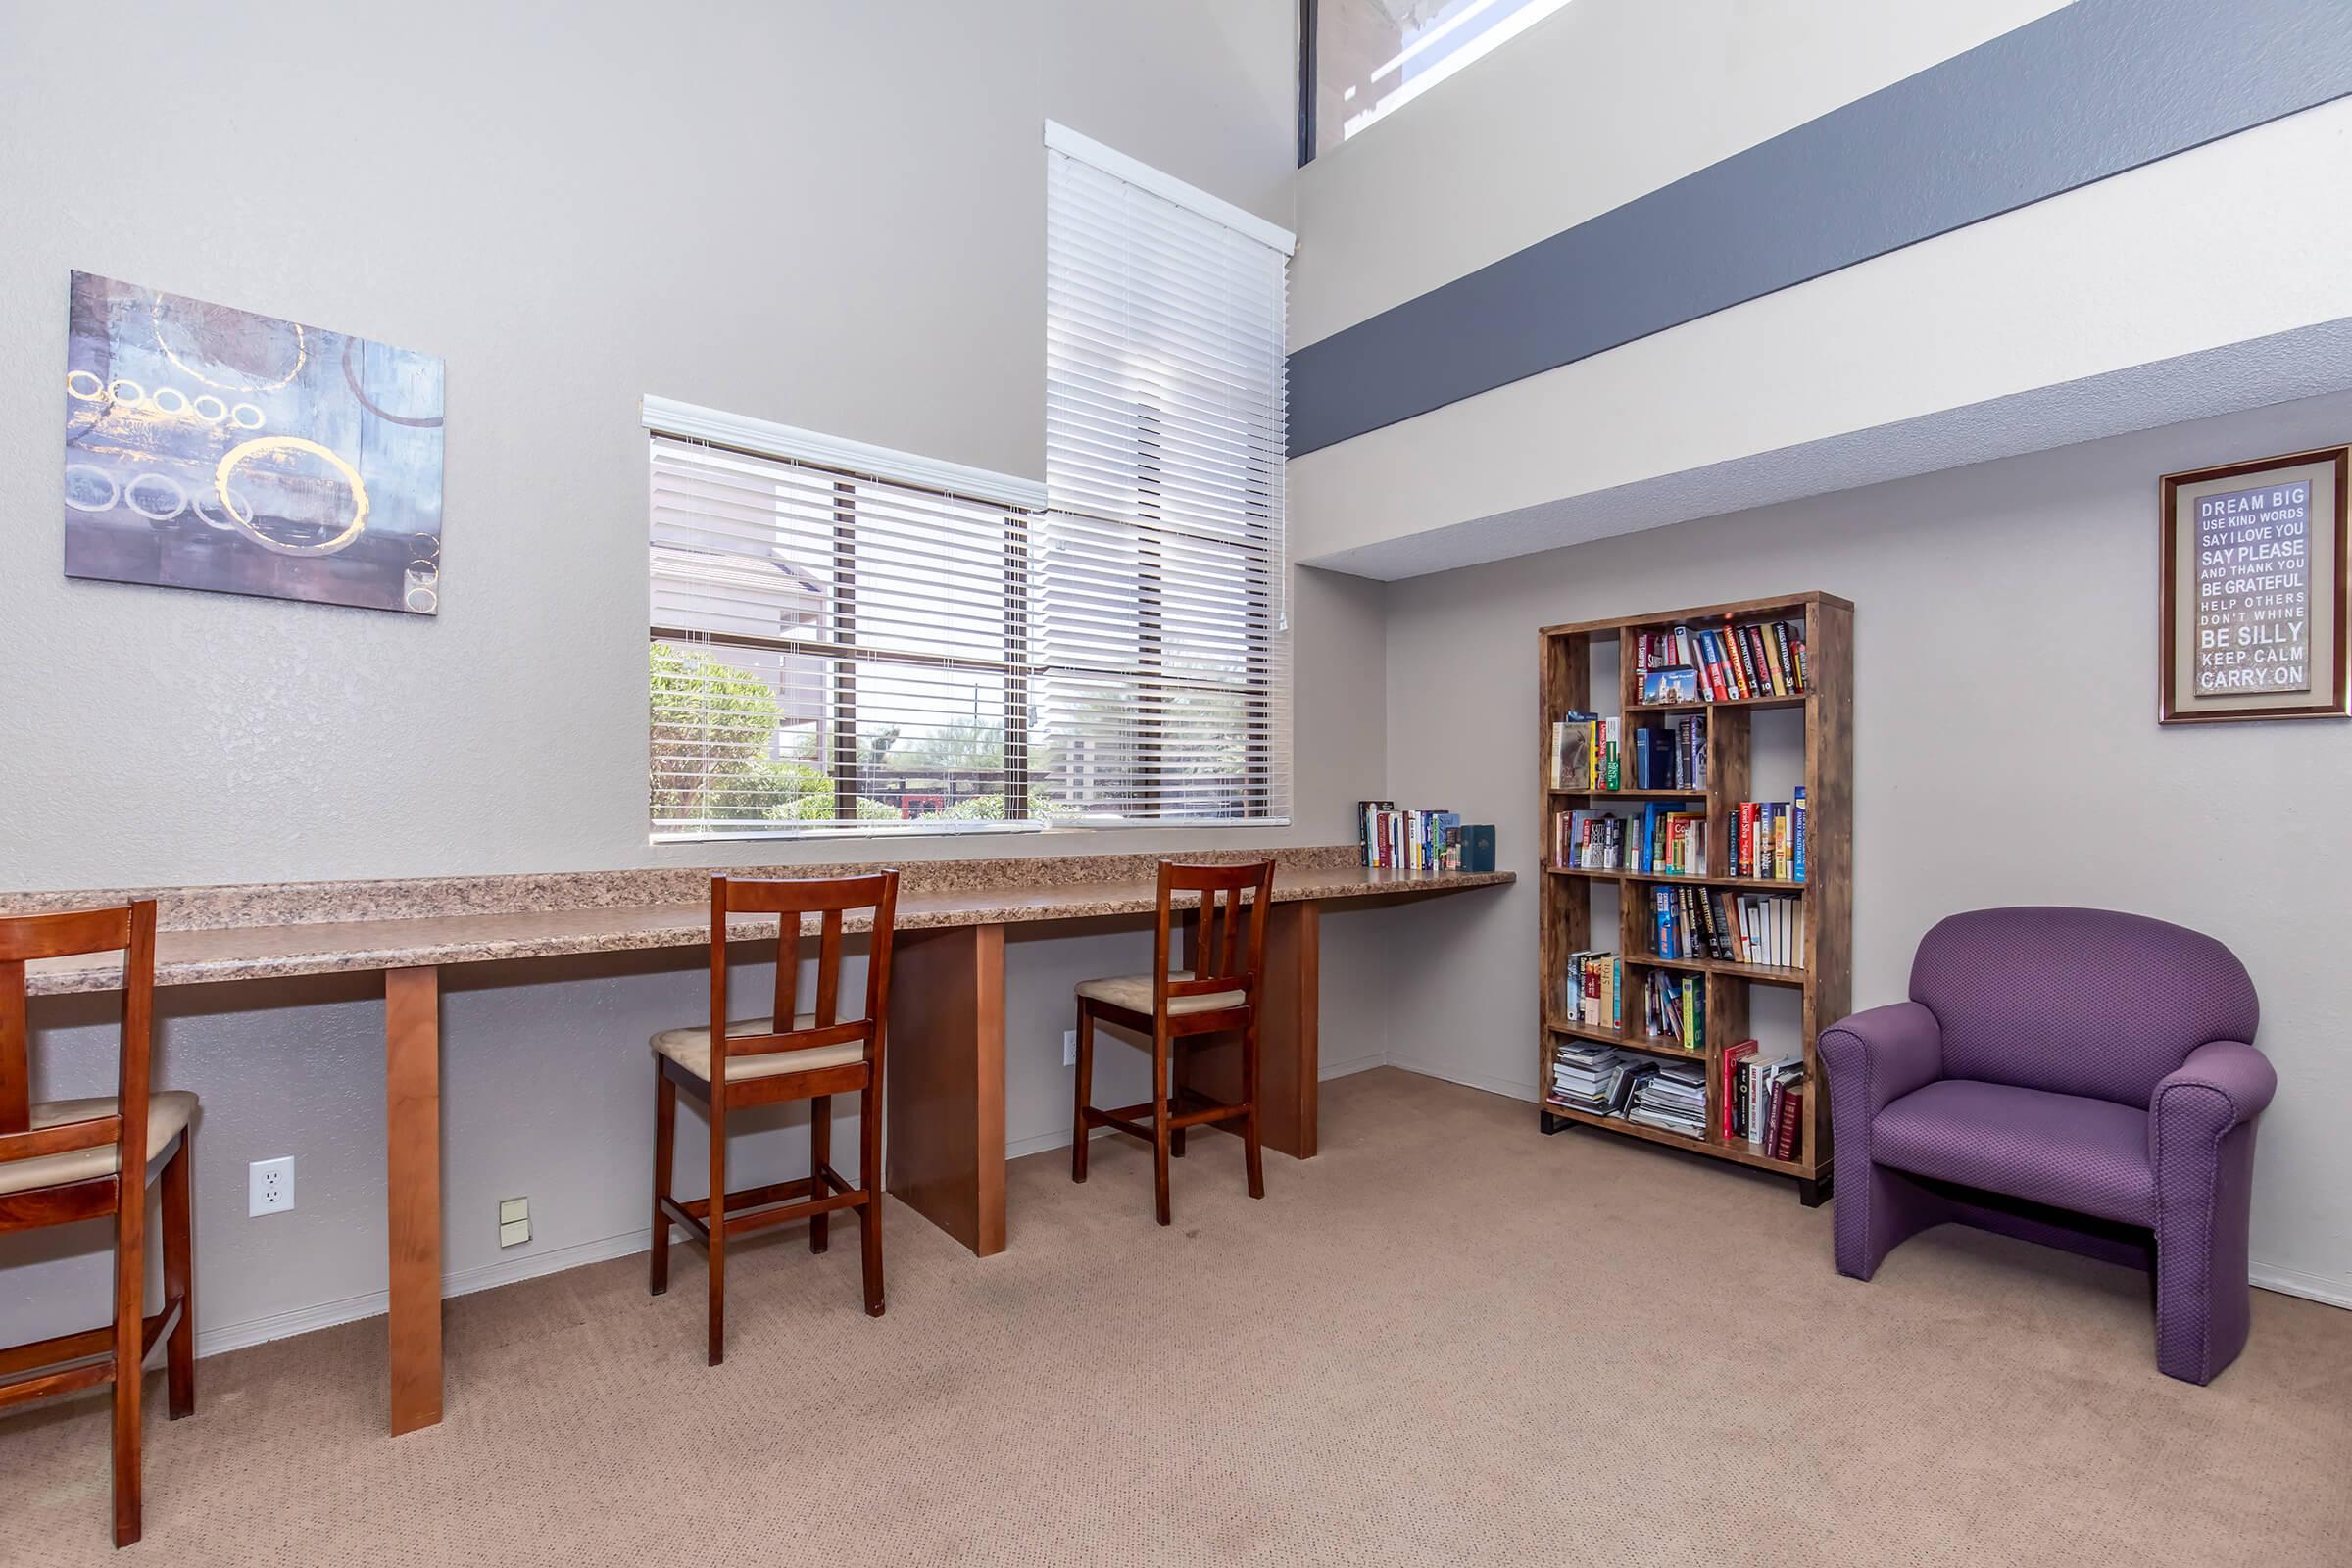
column 1155, row 591
column 839, row 635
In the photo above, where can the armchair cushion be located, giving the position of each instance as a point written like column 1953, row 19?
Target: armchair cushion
column 2086, row 1154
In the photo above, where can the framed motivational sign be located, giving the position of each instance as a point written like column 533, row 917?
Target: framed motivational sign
column 2254, row 602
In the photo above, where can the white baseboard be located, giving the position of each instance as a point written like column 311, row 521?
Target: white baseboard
column 2310, row 1287
column 2263, row 1276
column 1354, row 1065
column 511, row 1271
column 375, row 1303
column 1469, row 1080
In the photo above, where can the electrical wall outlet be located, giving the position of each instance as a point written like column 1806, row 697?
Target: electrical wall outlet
column 270, row 1186
column 514, row 1221
column 1069, row 1048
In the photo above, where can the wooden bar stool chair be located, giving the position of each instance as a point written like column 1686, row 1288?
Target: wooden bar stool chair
column 813, row 1058
column 65, row 1161
column 1179, row 1007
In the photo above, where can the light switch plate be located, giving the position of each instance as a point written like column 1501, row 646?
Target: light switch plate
column 1069, row 1048
column 513, row 1233
column 511, row 1209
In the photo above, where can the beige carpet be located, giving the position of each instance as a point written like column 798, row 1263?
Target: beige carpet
column 1448, row 1339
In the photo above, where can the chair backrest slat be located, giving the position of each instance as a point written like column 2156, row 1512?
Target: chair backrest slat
column 832, row 899
column 130, row 928
column 1229, row 945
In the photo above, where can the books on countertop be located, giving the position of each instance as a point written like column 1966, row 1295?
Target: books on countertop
column 1733, row 663
column 1414, row 841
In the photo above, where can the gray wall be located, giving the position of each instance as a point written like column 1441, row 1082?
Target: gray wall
column 829, row 215
column 2006, row 752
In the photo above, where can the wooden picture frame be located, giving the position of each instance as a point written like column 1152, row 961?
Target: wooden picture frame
column 2254, row 597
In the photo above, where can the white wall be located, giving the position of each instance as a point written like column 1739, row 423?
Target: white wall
column 2005, row 752
column 827, row 214
column 1947, row 337
column 1597, row 104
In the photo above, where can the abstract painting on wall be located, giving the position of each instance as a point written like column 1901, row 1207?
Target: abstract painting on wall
column 211, row 448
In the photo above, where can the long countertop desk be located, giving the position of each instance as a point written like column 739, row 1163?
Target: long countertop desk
column 945, row 1100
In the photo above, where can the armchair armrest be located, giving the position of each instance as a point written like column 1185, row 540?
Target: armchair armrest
column 2221, row 1086
column 1887, row 1052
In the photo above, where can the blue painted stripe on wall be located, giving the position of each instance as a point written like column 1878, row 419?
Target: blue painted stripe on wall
column 2089, row 91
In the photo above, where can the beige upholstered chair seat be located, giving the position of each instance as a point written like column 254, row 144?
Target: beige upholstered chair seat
column 690, row 1049
column 169, row 1112
column 1133, row 992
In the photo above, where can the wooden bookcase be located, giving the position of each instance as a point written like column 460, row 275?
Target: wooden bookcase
column 1824, row 899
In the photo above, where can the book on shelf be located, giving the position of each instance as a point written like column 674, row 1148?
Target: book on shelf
column 1661, row 839
column 1408, row 840
column 1675, row 1008
column 1587, row 753
column 1765, row 835
column 1672, row 756
column 1761, row 1097
column 1670, row 1096
column 1586, row 1076
column 1589, row 987
column 1724, row 925
column 1737, row 661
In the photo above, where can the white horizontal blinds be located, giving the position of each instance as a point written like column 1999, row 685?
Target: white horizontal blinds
column 1156, row 601
column 831, row 649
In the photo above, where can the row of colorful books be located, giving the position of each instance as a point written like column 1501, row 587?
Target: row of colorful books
column 1591, row 984
column 1734, row 927
column 1768, row 839
column 1758, row 658
column 1590, row 753
column 1662, row 840
column 1763, row 1099
column 1674, row 1006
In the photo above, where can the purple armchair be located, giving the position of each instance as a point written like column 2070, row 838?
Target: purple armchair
column 2076, row 1077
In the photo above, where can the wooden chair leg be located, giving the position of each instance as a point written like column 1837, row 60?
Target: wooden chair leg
column 180, row 1350
column 131, row 1301
column 1085, row 1092
column 717, row 1221
column 820, row 1154
column 1175, row 1136
column 1252, row 1155
column 665, row 1141
column 870, row 1178
column 1159, row 1121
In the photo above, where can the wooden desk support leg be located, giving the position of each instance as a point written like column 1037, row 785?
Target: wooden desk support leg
column 413, row 1190
column 1288, row 1047
column 944, row 1104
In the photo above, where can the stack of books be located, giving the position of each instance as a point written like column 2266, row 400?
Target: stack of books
column 1731, row 664
column 1763, row 1099
column 1408, row 840
column 1767, row 928
column 1768, row 839
column 1586, row 1076
column 1671, row 1097
column 1675, row 1008
column 1589, row 990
